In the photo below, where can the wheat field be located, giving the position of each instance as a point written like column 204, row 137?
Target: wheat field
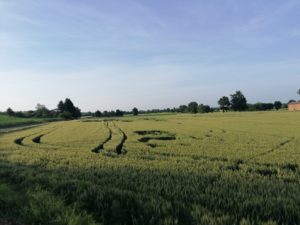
column 220, row 168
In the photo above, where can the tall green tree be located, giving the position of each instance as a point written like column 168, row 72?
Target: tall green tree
column 135, row 111
column 69, row 106
column 67, row 110
column 10, row 112
column 98, row 113
column 238, row 101
column 193, row 107
column 224, row 103
column 277, row 105
column 61, row 106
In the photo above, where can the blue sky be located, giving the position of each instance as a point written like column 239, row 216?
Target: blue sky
column 149, row 54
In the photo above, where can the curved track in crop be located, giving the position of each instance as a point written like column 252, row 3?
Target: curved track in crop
column 101, row 146
column 277, row 147
column 116, row 134
column 35, row 137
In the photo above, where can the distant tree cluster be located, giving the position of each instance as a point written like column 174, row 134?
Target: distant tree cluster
column 117, row 113
column 67, row 110
column 237, row 102
column 260, row 106
column 40, row 112
column 194, row 107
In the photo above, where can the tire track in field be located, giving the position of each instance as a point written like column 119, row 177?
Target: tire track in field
column 114, row 132
column 119, row 147
column 19, row 141
column 101, row 146
column 277, row 147
column 37, row 139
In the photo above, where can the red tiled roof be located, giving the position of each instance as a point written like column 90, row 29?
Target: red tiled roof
column 294, row 103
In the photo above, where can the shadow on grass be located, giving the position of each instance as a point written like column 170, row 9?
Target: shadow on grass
column 128, row 195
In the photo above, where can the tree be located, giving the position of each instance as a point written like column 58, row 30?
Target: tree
column 119, row 113
column 224, row 103
column 203, row 108
column 135, row 111
column 66, row 115
column 183, row 108
column 10, row 112
column 98, row 113
column 69, row 106
column 193, row 107
column 42, row 111
column 238, row 101
column 67, row 109
column 277, row 105
column 263, row 106
column 77, row 113
column 61, row 106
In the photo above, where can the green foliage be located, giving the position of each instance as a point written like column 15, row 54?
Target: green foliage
column 67, row 110
column 135, row 111
column 277, row 105
column 98, row 113
column 193, row 107
column 10, row 112
column 263, row 106
column 119, row 113
column 238, row 101
column 42, row 111
column 204, row 108
column 183, row 109
column 224, row 103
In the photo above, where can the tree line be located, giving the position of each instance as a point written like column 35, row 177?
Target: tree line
column 235, row 102
column 67, row 110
